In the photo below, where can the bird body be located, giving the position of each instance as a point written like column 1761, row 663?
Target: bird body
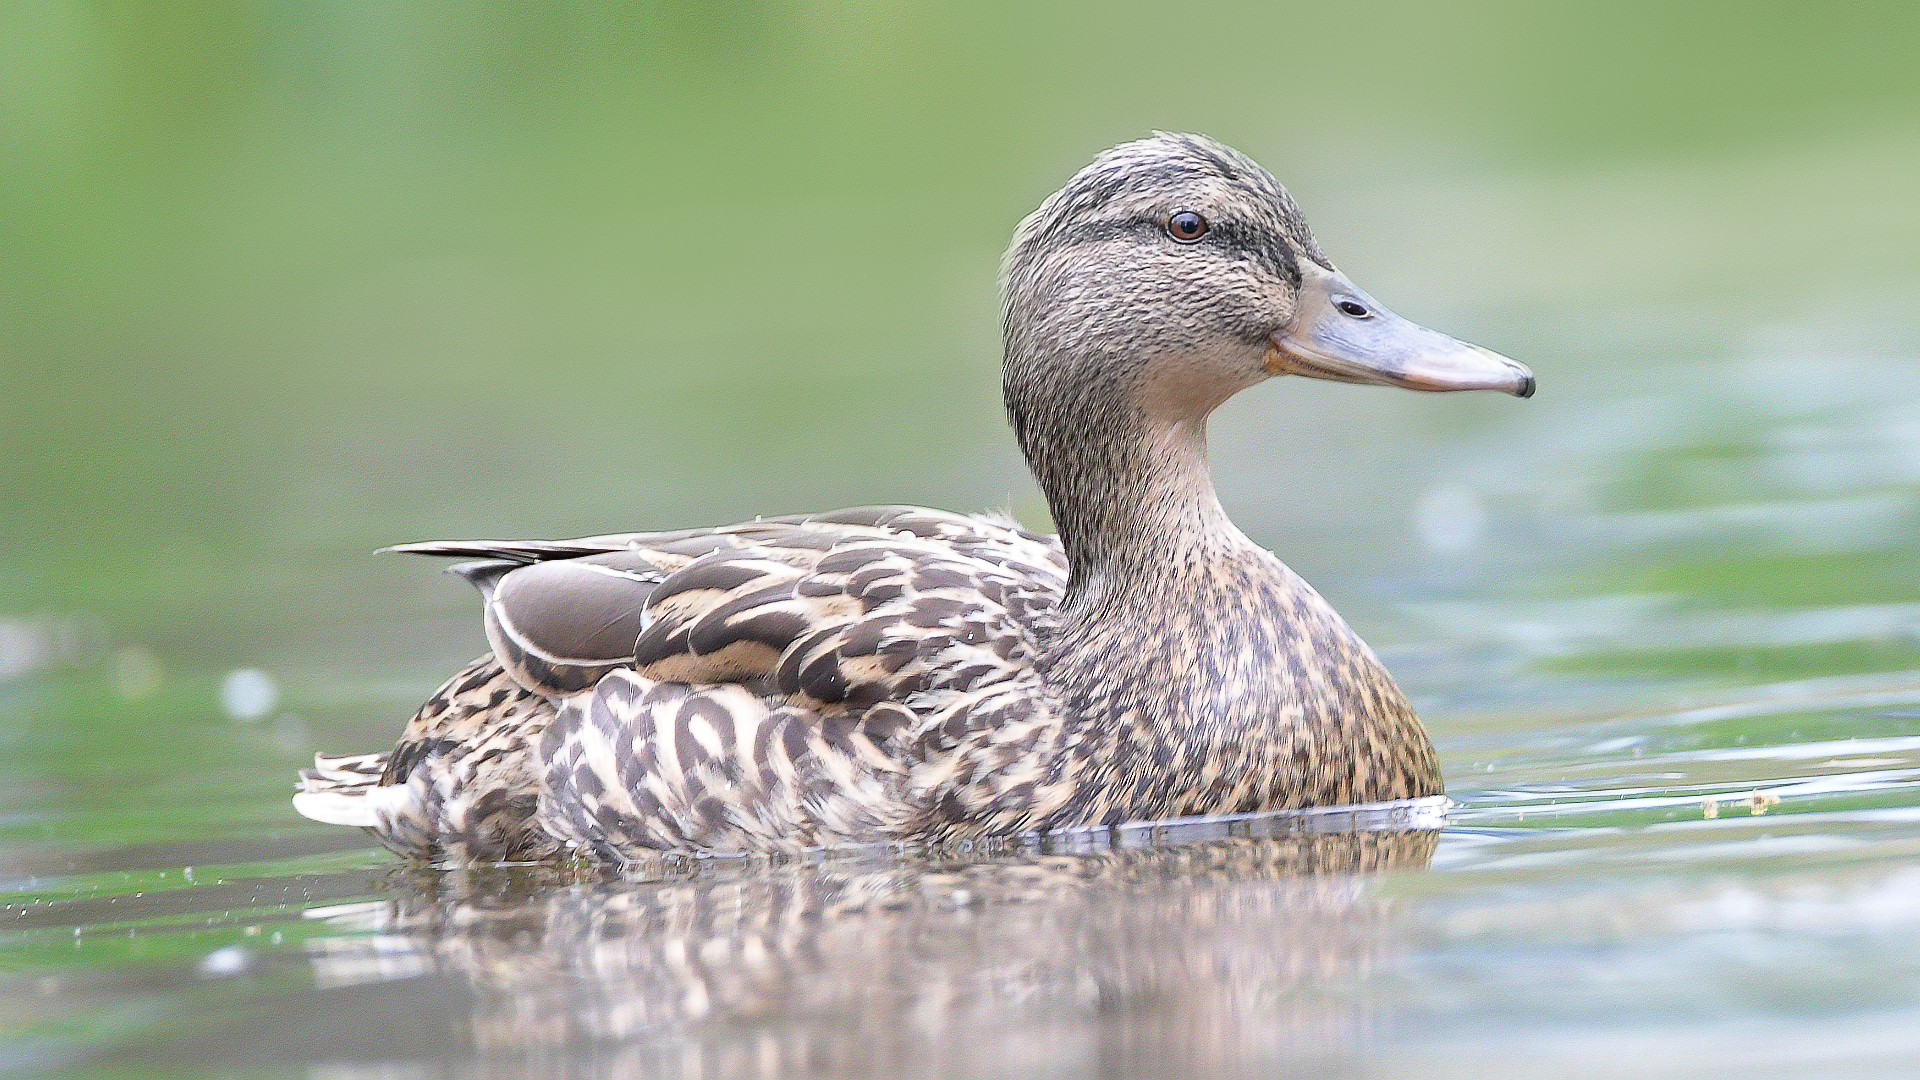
column 897, row 673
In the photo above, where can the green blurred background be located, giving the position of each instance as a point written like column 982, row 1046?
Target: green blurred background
column 281, row 283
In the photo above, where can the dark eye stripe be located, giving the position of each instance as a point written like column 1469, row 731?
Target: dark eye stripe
column 1263, row 245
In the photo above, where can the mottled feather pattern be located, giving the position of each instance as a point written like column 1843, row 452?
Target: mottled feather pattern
column 462, row 785
column 1316, row 697
column 866, row 653
column 786, row 681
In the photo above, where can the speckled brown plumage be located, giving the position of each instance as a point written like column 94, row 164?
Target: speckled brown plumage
column 896, row 673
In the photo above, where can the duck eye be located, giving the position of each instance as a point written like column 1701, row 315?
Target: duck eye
column 1357, row 310
column 1186, row 226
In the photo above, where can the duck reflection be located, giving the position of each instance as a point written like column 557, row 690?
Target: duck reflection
column 1095, row 949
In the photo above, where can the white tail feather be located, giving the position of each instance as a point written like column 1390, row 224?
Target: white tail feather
column 345, row 789
column 337, row 807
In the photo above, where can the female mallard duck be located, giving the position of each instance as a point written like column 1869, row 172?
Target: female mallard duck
column 894, row 673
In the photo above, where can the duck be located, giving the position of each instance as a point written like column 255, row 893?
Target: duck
column 903, row 675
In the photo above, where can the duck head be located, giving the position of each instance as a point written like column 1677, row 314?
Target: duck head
column 1173, row 272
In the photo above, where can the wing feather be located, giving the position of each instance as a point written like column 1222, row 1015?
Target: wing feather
column 857, row 675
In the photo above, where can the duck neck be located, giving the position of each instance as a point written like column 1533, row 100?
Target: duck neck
column 1133, row 499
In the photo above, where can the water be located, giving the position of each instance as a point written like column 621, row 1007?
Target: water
column 283, row 286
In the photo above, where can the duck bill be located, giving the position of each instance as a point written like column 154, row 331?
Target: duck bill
column 1342, row 334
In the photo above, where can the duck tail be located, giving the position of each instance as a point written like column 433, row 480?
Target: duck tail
column 343, row 789
column 461, row 788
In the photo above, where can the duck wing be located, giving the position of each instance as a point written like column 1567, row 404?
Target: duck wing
column 728, row 604
column 770, row 685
